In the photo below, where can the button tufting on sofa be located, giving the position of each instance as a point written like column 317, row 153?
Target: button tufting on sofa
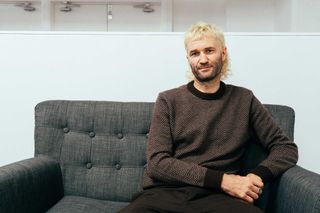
column 89, row 165
column 120, row 135
column 92, row 134
column 118, row 166
column 61, row 177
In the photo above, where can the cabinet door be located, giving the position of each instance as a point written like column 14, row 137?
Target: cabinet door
column 86, row 17
column 126, row 17
column 16, row 18
column 250, row 16
column 188, row 12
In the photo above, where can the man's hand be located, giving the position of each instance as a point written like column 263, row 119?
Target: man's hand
column 246, row 188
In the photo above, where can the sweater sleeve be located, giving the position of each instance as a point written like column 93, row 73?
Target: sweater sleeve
column 162, row 166
column 282, row 152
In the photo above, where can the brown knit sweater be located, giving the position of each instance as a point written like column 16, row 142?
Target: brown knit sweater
column 196, row 137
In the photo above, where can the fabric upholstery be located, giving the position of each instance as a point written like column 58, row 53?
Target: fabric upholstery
column 100, row 145
column 296, row 188
column 77, row 204
column 32, row 185
column 90, row 157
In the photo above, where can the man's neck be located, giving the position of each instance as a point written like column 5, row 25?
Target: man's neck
column 207, row 87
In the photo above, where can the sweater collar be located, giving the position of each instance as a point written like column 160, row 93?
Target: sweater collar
column 207, row 96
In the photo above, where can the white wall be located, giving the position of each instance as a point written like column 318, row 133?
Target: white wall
column 279, row 68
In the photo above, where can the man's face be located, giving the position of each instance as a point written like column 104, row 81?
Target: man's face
column 206, row 57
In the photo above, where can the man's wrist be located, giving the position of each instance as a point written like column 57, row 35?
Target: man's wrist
column 213, row 179
column 263, row 172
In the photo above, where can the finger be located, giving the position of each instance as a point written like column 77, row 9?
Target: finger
column 253, row 195
column 258, row 183
column 245, row 197
column 256, row 180
column 255, row 189
column 248, row 199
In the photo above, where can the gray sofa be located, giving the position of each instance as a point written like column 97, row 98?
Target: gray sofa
column 90, row 157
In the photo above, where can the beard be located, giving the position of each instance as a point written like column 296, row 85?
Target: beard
column 214, row 70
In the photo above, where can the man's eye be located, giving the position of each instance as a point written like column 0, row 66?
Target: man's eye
column 194, row 54
column 210, row 51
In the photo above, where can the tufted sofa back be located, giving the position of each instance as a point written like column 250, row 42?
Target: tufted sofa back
column 100, row 145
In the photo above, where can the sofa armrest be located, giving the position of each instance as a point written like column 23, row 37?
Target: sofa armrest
column 298, row 192
column 31, row 185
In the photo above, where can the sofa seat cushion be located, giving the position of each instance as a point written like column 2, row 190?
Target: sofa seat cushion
column 77, row 204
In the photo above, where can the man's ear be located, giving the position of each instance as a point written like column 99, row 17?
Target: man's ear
column 224, row 53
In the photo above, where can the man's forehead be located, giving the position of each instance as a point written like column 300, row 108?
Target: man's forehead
column 202, row 42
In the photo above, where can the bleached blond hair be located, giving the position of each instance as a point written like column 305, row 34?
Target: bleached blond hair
column 201, row 30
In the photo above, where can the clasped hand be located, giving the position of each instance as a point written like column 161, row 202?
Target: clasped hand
column 247, row 188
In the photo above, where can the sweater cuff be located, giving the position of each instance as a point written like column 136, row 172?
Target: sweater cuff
column 213, row 179
column 263, row 172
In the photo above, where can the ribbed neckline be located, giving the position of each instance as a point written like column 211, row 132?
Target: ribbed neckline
column 207, row 96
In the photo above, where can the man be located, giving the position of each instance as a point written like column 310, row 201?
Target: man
column 198, row 135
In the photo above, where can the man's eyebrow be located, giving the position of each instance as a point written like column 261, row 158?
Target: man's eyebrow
column 206, row 48
column 192, row 51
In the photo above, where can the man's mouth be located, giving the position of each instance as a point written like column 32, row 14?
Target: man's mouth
column 204, row 68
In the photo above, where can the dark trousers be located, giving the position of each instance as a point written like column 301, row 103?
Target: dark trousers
column 187, row 199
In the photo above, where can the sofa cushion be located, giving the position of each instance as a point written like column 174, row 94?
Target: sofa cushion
column 77, row 204
column 100, row 145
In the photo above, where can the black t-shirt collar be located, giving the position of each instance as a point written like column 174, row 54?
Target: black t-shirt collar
column 207, row 96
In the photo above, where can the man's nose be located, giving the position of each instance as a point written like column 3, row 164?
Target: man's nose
column 203, row 58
